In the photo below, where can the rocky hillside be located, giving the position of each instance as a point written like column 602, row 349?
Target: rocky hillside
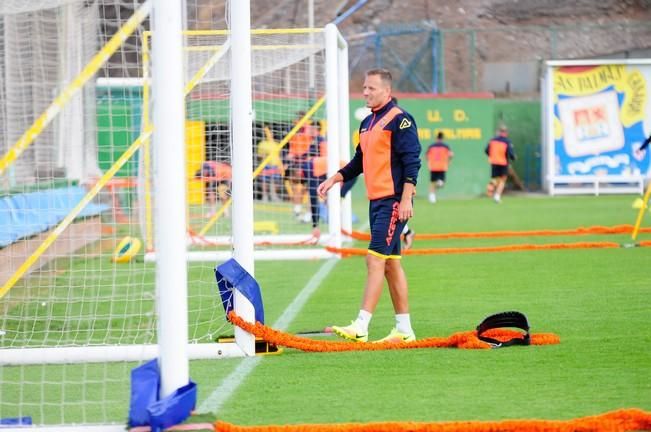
column 495, row 45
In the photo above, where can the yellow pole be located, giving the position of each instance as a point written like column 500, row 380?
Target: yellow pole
column 640, row 214
column 266, row 160
column 69, row 91
column 149, row 246
column 20, row 272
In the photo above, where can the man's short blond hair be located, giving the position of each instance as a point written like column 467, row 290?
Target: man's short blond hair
column 384, row 75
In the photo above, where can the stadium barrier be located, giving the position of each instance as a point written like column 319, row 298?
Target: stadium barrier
column 27, row 214
column 27, row 219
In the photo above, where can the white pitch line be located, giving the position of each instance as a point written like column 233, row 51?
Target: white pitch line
column 221, row 394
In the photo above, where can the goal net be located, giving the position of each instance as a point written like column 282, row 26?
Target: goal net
column 291, row 143
column 78, row 270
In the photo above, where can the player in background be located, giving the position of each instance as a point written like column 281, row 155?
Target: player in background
column 299, row 151
column 217, row 184
column 438, row 159
column 389, row 157
column 271, row 175
column 408, row 236
column 500, row 152
column 315, row 170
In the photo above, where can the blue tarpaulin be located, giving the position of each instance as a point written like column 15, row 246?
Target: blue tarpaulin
column 147, row 408
column 27, row 214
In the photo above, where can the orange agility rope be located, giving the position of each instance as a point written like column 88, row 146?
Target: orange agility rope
column 346, row 252
column 465, row 340
column 617, row 229
column 631, row 419
column 200, row 240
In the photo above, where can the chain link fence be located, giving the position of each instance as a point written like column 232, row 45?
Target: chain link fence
column 504, row 60
column 507, row 60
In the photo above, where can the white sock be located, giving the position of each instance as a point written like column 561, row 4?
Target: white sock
column 403, row 323
column 363, row 320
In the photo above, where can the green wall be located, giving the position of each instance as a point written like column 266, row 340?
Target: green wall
column 467, row 124
column 118, row 125
column 267, row 110
column 523, row 120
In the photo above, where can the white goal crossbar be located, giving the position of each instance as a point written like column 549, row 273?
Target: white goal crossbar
column 113, row 353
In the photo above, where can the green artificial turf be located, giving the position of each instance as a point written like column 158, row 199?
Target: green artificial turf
column 597, row 300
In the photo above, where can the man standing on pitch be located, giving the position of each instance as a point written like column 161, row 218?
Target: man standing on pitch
column 389, row 157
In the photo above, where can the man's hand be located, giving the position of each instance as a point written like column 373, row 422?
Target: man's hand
column 324, row 187
column 405, row 210
column 406, row 207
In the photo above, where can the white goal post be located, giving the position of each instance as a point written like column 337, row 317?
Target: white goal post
column 94, row 187
column 595, row 118
column 99, row 173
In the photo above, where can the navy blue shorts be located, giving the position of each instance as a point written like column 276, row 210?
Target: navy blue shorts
column 436, row 175
column 385, row 228
column 499, row 171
